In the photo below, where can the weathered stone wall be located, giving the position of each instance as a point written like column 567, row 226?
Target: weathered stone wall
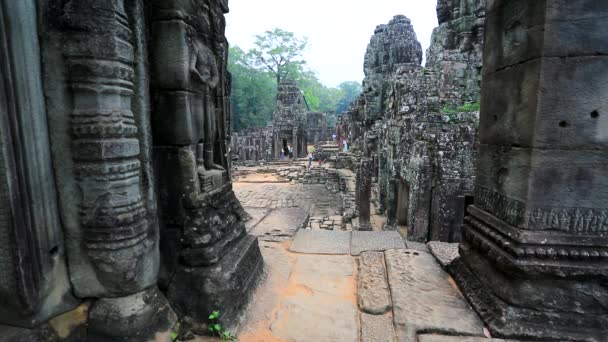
column 420, row 125
column 289, row 119
column 317, row 128
column 252, row 146
column 393, row 46
column 114, row 159
column 534, row 257
column 292, row 125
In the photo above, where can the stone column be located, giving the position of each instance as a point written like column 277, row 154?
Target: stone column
column 364, row 192
column 93, row 80
column 209, row 262
column 34, row 284
column 295, row 142
column 534, row 261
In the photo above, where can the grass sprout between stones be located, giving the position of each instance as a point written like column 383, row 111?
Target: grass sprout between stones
column 216, row 329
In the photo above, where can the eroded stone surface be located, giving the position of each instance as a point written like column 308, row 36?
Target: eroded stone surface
column 321, row 308
column 424, row 300
column 372, row 286
column 444, row 252
column 375, row 241
column 281, row 224
column 376, row 328
column 444, row 338
column 256, row 216
column 421, row 247
column 307, row 319
column 321, row 242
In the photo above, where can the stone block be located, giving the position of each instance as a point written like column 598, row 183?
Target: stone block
column 375, row 241
column 372, row 287
column 445, row 253
column 376, row 328
column 195, row 292
column 138, row 317
column 321, row 242
column 442, row 309
column 539, row 182
column 445, row 338
column 281, row 224
column 171, row 55
column 510, row 119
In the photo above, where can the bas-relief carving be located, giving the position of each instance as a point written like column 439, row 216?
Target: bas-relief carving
column 189, row 84
column 512, row 211
column 190, row 128
column 203, row 237
column 112, row 238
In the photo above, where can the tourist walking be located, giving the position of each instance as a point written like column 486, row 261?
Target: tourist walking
column 310, row 156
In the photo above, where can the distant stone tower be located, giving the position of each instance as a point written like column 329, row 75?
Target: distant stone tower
column 289, row 120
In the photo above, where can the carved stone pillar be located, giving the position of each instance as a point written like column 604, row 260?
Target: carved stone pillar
column 364, row 192
column 208, row 260
column 535, row 252
column 107, row 209
column 34, row 284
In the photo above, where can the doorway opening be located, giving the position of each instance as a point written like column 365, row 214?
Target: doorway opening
column 403, row 197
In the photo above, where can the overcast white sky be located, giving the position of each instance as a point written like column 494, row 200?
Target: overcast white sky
column 338, row 31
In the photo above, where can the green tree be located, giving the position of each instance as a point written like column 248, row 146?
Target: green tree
column 350, row 91
column 253, row 92
column 279, row 52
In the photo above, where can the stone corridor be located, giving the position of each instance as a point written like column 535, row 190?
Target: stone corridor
column 340, row 285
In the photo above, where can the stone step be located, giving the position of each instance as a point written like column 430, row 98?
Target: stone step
column 424, row 298
column 340, row 242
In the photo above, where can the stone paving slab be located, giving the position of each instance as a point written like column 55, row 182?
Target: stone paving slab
column 376, row 328
column 375, row 241
column 424, row 298
column 321, row 242
column 257, row 215
column 421, row 247
column 373, row 294
column 319, row 308
column 442, row 338
column 281, row 224
column 444, row 252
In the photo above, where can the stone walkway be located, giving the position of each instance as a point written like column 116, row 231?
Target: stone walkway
column 335, row 286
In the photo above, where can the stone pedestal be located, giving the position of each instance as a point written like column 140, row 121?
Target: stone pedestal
column 140, row 317
column 227, row 286
column 534, row 260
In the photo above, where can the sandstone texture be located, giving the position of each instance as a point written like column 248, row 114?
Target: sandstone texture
column 441, row 309
column 375, row 241
column 373, row 293
column 321, row 242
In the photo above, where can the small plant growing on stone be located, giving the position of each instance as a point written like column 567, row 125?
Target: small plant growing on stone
column 216, row 329
column 469, row 107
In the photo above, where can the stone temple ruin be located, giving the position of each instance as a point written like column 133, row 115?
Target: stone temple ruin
column 123, row 218
column 293, row 124
column 423, row 157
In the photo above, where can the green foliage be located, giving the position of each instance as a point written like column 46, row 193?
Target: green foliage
column 256, row 73
column 350, row 90
column 173, row 336
column 452, row 111
column 469, row 107
column 217, row 330
column 253, row 92
column 279, row 52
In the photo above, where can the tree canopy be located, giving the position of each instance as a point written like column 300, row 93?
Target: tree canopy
column 279, row 52
column 256, row 73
